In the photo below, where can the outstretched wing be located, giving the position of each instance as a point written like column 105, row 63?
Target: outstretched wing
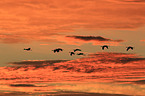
column 132, row 48
column 77, row 50
column 102, row 47
column 59, row 49
column 127, row 48
column 106, row 47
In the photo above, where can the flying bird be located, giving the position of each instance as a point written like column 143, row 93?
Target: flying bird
column 77, row 50
column 105, row 46
column 72, row 53
column 80, row 54
column 27, row 49
column 129, row 47
column 57, row 50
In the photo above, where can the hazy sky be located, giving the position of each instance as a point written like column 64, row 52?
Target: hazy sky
column 47, row 24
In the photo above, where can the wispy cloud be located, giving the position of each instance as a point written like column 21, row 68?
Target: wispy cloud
column 37, row 62
column 133, row 0
column 89, row 64
column 22, row 85
column 95, row 38
column 97, row 66
column 129, row 1
column 44, row 18
column 27, row 38
column 142, row 40
column 120, row 59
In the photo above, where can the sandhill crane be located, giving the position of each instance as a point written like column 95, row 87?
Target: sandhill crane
column 105, row 46
column 27, row 49
column 57, row 50
column 77, row 50
column 72, row 53
column 129, row 47
column 80, row 54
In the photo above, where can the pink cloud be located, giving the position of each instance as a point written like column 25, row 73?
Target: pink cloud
column 128, row 1
column 142, row 40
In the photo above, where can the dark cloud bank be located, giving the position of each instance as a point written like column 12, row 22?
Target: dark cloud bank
column 95, row 38
column 96, row 66
column 86, row 65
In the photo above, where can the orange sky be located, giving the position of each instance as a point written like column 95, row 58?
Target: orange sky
column 45, row 25
column 112, row 73
column 22, row 21
column 34, row 23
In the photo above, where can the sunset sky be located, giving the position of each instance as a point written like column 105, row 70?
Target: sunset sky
column 45, row 25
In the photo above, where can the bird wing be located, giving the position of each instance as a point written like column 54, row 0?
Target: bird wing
column 102, row 47
column 59, row 49
column 106, row 47
column 127, row 48
column 77, row 50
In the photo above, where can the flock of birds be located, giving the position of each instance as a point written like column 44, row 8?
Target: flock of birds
column 73, row 53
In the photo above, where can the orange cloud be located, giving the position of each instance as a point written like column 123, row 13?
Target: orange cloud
column 142, row 40
column 26, row 38
column 31, row 21
column 37, row 62
column 95, row 72
column 95, row 38
column 128, row 1
column 75, row 40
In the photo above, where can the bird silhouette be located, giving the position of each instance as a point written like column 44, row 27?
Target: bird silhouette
column 129, row 47
column 77, row 50
column 80, row 54
column 57, row 50
column 72, row 53
column 105, row 46
column 27, row 49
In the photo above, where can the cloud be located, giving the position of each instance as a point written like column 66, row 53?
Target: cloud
column 26, row 38
column 139, row 82
column 142, row 40
column 129, row 1
column 72, row 93
column 91, row 64
column 133, row 0
column 118, row 57
column 37, row 62
column 13, row 93
column 22, row 85
column 93, row 68
column 41, row 19
column 95, row 38
column 98, row 69
column 98, row 62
